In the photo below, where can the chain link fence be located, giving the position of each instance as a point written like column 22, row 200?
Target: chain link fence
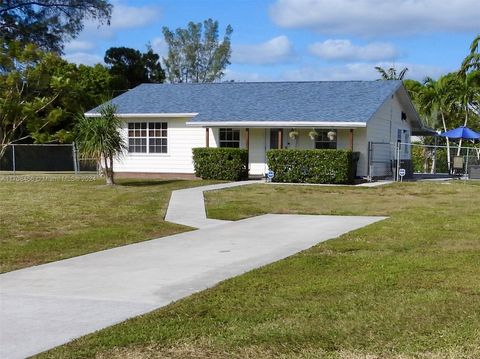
column 45, row 158
column 442, row 160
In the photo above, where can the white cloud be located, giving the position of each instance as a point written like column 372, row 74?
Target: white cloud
column 241, row 76
column 278, row 49
column 79, row 45
column 159, row 46
column 359, row 71
column 124, row 17
column 129, row 17
column 377, row 17
column 346, row 51
column 83, row 58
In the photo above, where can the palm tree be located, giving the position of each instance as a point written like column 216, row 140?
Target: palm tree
column 436, row 99
column 466, row 96
column 99, row 138
column 472, row 61
column 391, row 73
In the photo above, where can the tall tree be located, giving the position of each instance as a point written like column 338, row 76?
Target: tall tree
column 130, row 67
column 437, row 99
column 41, row 94
column 27, row 92
column 472, row 61
column 195, row 53
column 391, row 73
column 49, row 23
column 99, row 138
column 467, row 96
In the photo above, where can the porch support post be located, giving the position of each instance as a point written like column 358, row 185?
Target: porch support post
column 351, row 139
column 207, row 137
column 280, row 138
column 247, row 138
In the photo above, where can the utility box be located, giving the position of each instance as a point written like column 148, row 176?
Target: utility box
column 458, row 162
column 474, row 172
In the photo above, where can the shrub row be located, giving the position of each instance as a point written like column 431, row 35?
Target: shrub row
column 312, row 166
column 229, row 164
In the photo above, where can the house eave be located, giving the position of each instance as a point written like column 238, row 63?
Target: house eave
column 278, row 124
column 148, row 115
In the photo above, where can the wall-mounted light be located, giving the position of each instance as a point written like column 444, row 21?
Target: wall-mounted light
column 404, row 116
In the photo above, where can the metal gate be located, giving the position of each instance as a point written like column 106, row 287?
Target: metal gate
column 380, row 155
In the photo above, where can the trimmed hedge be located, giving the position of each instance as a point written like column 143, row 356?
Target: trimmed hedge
column 312, row 166
column 230, row 164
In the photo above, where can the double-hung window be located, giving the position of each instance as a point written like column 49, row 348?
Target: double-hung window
column 147, row 137
column 229, row 137
column 326, row 139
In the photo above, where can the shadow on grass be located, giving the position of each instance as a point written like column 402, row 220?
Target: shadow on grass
column 147, row 183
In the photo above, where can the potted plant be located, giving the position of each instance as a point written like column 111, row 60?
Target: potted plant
column 293, row 134
column 332, row 135
column 313, row 134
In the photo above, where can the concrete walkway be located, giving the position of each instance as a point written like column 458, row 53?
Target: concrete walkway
column 48, row 305
column 187, row 206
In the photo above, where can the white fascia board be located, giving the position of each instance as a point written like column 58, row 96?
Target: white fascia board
column 147, row 115
column 279, row 124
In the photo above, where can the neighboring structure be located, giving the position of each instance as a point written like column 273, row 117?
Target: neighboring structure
column 163, row 122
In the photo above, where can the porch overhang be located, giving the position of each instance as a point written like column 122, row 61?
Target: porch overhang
column 277, row 124
column 147, row 115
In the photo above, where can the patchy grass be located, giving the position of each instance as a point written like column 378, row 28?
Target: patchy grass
column 406, row 287
column 43, row 220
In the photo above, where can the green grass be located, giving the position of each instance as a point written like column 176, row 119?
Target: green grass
column 46, row 219
column 406, row 287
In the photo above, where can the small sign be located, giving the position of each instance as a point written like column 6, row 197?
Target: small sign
column 401, row 173
column 270, row 174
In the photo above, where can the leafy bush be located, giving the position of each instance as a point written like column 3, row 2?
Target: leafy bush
column 422, row 159
column 230, row 164
column 312, row 166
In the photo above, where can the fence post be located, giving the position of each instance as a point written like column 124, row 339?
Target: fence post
column 74, row 156
column 399, row 146
column 369, row 162
column 13, row 160
column 466, row 164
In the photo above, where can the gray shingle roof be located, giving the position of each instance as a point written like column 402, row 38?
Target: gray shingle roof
column 342, row 101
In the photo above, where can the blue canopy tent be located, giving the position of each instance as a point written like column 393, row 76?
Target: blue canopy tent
column 462, row 133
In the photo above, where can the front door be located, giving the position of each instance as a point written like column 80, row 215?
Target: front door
column 273, row 138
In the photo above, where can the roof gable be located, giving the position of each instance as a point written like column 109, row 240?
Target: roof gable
column 323, row 101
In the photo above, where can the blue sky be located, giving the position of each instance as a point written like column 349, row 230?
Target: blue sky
column 278, row 40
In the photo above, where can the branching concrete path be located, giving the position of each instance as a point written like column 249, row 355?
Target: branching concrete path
column 48, row 305
column 187, row 206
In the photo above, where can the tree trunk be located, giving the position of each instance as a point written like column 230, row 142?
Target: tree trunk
column 448, row 144
column 465, row 124
column 112, row 179
column 3, row 149
column 106, row 172
column 434, row 161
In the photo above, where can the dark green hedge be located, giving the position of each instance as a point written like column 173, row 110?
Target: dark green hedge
column 312, row 166
column 230, row 164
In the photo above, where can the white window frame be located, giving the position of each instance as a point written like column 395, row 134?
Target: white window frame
column 232, row 132
column 150, row 137
column 322, row 138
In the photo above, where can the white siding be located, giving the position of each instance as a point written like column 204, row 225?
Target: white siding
column 383, row 128
column 359, row 145
column 181, row 140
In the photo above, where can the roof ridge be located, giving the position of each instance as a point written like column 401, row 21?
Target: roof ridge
column 265, row 82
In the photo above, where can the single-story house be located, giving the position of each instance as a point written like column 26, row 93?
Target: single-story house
column 163, row 122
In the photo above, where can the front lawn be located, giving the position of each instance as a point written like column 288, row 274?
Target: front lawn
column 43, row 219
column 406, row 287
